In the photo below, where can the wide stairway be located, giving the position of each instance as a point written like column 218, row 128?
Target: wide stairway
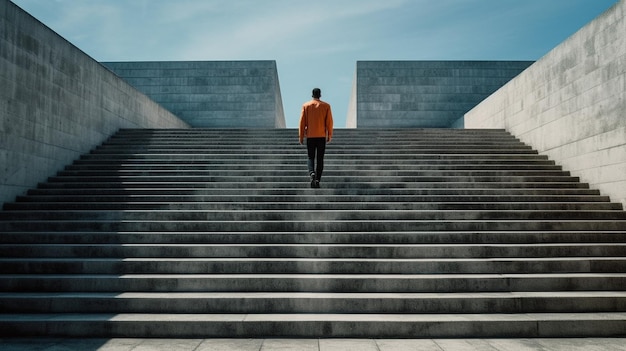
column 420, row 233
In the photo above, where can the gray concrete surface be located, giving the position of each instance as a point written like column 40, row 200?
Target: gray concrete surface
column 423, row 94
column 211, row 94
column 570, row 104
column 405, row 239
column 56, row 103
column 312, row 344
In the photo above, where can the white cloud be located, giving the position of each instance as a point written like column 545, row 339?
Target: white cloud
column 284, row 28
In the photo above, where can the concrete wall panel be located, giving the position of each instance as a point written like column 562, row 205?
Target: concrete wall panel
column 57, row 103
column 211, row 94
column 424, row 94
column 570, row 104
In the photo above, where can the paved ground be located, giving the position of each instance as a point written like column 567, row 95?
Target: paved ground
column 311, row 344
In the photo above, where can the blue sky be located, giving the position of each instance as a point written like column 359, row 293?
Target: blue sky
column 315, row 43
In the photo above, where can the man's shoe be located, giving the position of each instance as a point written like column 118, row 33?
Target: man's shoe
column 312, row 176
column 317, row 183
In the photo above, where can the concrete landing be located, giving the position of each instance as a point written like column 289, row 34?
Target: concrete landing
column 48, row 344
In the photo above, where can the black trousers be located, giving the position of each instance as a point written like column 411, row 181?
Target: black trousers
column 316, row 147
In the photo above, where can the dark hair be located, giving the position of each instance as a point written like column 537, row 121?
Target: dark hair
column 317, row 93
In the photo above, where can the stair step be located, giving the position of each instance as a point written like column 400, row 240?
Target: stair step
column 312, row 237
column 302, row 182
column 313, row 325
column 313, row 195
column 303, row 250
column 330, row 179
column 300, row 152
column 132, row 204
column 303, row 302
column 372, row 283
column 160, row 165
column 288, row 174
column 196, row 144
column 335, row 215
column 183, row 265
column 339, row 161
column 282, row 225
column 300, row 157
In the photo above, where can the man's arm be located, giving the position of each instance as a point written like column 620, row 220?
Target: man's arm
column 329, row 125
column 302, row 126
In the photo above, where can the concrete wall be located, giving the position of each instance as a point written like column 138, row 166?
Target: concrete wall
column 211, row 94
column 351, row 117
column 424, row 94
column 57, row 103
column 571, row 104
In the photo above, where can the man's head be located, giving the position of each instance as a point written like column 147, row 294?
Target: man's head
column 317, row 93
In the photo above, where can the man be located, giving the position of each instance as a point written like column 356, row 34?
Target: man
column 316, row 123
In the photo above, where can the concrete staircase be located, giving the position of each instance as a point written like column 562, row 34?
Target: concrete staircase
column 215, row 233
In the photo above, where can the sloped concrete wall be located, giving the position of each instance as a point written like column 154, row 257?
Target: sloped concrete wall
column 571, row 104
column 57, row 103
column 211, row 94
column 424, row 94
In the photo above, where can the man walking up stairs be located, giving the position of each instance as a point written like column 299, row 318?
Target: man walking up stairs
column 316, row 123
column 416, row 233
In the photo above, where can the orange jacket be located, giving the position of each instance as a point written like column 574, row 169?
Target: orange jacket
column 316, row 120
